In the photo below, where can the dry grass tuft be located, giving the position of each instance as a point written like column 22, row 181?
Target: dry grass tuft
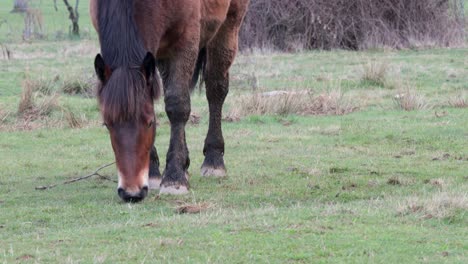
column 400, row 181
column 76, row 84
column 39, row 100
column 290, row 102
column 409, row 100
column 73, row 120
column 34, row 104
column 441, row 205
column 436, row 182
column 4, row 114
column 192, row 208
column 27, row 98
column 194, row 118
column 394, row 181
column 375, row 73
column 39, row 85
column 79, row 85
column 459, row 101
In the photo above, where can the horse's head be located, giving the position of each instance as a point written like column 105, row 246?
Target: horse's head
column 125, row 97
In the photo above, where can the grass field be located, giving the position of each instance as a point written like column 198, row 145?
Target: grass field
column 379, row 184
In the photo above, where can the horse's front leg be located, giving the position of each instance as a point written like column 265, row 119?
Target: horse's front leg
column 155, row 177
column 178, row 73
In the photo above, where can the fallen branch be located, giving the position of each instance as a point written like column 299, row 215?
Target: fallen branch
column 95, row 173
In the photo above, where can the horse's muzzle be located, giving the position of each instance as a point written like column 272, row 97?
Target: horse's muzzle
column 133, row 197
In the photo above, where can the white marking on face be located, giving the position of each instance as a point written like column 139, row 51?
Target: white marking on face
column 144, row 174
column 119, row 184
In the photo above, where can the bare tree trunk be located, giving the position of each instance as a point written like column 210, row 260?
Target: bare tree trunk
column 74, row 17
column 20, row 6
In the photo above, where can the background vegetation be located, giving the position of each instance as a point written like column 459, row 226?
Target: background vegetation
column 353, row 24
column 333, row 157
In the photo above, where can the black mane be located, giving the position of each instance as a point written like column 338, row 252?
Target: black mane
column 121, row 44
column 123, row 52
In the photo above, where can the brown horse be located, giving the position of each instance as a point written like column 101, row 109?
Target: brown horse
column 188, row 38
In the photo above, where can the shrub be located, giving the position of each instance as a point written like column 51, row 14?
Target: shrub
column 352, row 24
column 375, row 73
column 409, row 100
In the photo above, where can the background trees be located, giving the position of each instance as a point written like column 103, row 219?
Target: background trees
column 353, row 24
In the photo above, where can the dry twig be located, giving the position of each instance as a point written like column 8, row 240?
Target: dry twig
column 95, row 173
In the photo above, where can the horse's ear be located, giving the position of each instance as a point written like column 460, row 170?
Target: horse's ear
column 102, row 70
column 149, row 66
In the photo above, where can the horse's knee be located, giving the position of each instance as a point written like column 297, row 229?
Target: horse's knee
column 177, row 108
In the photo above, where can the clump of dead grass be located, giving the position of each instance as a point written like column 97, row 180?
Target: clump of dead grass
column 40, row 99
column 82, row 84
column 34, row 104
column 39, row 85
column 72, row 119
column 459, row 101
column 442, row 205
column 73, row 84
column 409, row 99
column 4, row 114
column 440, row 183
column 196, row 208
column 291, row 102
column 375, row 73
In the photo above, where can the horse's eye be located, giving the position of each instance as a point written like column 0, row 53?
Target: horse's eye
column 151, row 123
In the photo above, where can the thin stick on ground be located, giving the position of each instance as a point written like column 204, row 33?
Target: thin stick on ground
column 95, row 173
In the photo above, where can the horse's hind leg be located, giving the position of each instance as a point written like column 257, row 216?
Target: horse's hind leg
column 154, row 173
column 221, row 52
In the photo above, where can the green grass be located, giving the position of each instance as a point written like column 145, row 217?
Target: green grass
column 379, row 185
column 56, row 25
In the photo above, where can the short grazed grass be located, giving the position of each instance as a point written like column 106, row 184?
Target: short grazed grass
column 377, row 184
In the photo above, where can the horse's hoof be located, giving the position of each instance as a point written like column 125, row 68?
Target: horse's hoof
column 207, row 171
column 174, row 190
column 154, row 183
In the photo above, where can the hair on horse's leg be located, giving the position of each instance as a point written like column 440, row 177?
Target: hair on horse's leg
column 177, row 100
column 155, row 177
column 221, row 53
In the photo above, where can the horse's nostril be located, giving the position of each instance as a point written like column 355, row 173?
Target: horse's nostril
column 121, row 192
column 133, row 197
column 144, row 192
